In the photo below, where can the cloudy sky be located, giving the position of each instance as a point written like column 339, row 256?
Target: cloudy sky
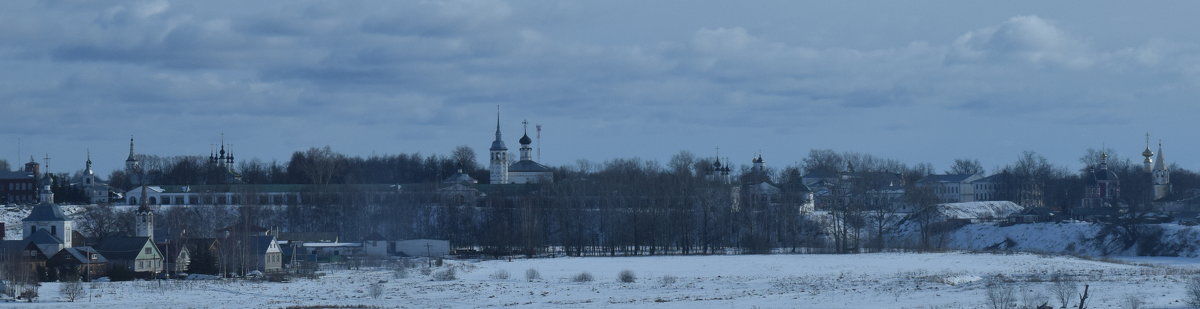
column 917, row 81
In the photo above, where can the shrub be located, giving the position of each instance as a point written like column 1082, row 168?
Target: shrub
column 500, row 275
column 426, row 271
column 1193, row 292
column 532, row 274
column 583, row 277
column 375, row 290
column 667, row 280
column 626, row 276
column 72, row 289
column 445, row 275
column 1000, row 296
column 1063, row 289
column 400, row 273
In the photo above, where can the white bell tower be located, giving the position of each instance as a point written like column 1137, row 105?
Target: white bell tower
column 499, row 156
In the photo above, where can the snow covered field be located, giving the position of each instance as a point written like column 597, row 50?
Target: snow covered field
column 884, row 280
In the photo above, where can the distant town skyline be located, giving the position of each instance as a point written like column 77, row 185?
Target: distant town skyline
column 916, row 82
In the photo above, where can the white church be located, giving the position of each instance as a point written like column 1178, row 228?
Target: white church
column 525, row 170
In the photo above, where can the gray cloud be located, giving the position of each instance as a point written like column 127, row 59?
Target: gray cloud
column 425, row 76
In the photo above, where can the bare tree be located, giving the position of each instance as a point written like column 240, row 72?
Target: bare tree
column 1193, row 292
column 1063, row 288
column 464, row 156
column 965, row 167
column 1000, row 296
column 72, row 288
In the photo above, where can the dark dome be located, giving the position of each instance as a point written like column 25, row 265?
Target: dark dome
column 498, row 145
column 525, row 140
column 1103, row 174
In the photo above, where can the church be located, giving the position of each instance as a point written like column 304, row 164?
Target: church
column 525, row 170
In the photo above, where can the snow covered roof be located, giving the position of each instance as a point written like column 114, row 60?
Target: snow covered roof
column 979, row 210
column 527, row 166
column 331, row 244
column 46, row 212
column 954, row 178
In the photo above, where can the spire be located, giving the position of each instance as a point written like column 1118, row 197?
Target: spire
column 88, row 164
column 1161, row 165
column 498, row 144
column 131, row 158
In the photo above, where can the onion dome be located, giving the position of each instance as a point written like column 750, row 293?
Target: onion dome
column 525, row 140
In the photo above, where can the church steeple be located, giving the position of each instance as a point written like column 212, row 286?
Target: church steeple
column 88, row 164
column 499, row 156
column 1161, row 175
column 526, row 150
column 1146, row 164
column 131, row 163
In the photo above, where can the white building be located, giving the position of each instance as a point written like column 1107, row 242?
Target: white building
column 524, row 171
column 245, row 194
column 47, row 226
column 953, row 188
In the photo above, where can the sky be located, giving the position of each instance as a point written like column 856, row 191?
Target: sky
column 917, row 81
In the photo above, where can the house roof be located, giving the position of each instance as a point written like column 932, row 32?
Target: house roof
column 170, row 250
column 262, row 243
column 42, row 237
column 460, row 177
column 375, row 236
column 18, row 245
column 201, row 243
column 46, row 212
column 266, row 188
column 946, row 178
column 7, row 175
column 527, row 166
column 309, row 236
column 80, row 255
column 122, row 248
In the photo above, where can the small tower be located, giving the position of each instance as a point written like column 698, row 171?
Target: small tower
column 526, row 150
column 144, row 227
column 758, row 163
column 1161, row 176
column 33, row 167
column 221, row 159
column 47, row 195
column 499, row 156
column 131, row 163
column 1147, row 164
column 89, row 176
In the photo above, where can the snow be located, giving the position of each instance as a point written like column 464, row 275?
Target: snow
column 879, row 280
column 978, row 210
column 11, row 216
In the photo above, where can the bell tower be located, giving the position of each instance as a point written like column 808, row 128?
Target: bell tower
column 1161, row 176
column 499, row 156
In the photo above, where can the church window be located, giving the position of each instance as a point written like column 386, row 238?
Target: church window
column 53, row 230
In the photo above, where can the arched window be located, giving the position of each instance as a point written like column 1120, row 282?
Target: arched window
column 132, row 201
column 53, row 230
column 153, row 200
